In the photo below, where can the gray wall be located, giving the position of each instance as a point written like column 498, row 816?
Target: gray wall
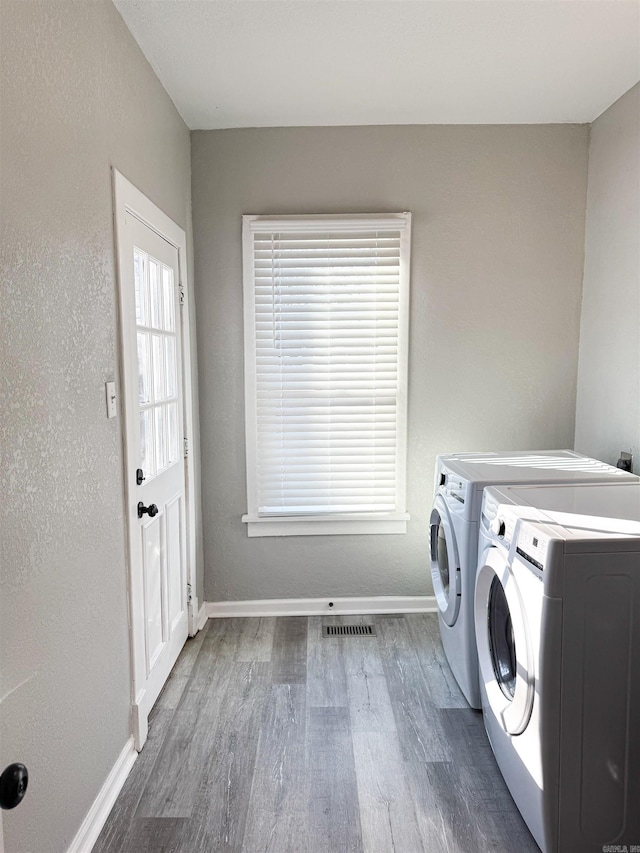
column 498, row 240
column 608, row 403
column 77, row 97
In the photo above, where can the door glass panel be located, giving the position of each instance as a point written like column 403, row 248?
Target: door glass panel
column 443, row 559
column 155, row 294
column 146, row 443
column 144, row 369
column 160, row 431
column 169, row 299
column 142, row 300
column 157, row 363
column 170, row 365
column 440, row 555
column 172, row 431
column 501, row 640
column 158, row 369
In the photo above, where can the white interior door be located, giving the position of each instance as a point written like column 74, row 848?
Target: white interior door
column 153, row 395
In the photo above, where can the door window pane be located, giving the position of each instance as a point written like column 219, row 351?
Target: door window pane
column 169, row 299
column 155, row 293
column 142, row 299
column 146, row 443
column 158, row 368
column 144, row 369
column 172, row 431
column 170, row 366
column 160, row 431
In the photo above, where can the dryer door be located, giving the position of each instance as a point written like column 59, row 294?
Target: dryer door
column 445, row 565
column 504, row 648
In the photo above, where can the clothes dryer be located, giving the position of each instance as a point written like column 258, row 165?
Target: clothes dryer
column 557, row 619
column 459, row 482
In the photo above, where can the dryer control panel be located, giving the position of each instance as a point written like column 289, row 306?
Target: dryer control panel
column 532, row 544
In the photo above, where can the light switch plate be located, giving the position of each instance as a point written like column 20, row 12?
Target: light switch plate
column 112, row 402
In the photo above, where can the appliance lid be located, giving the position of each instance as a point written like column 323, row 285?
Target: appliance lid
column 532, row 467
column 612, row 508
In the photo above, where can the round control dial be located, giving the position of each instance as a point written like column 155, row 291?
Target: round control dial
column 498, row 526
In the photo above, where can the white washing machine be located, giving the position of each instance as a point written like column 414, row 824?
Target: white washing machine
column 557, row 614
column 459, row 481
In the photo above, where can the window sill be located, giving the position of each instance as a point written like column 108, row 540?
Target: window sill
column 323, row 525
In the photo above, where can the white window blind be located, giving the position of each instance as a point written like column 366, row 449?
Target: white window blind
column 326, row 343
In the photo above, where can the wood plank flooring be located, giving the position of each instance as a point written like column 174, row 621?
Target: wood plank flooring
column 269, row 738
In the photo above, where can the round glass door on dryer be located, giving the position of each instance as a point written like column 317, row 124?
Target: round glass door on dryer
column 505, row 658
column 445, row 563
column 508, row 607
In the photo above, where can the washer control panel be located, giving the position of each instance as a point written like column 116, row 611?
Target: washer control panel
column 453, row 486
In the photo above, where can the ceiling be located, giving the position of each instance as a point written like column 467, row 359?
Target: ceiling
column 273, row 63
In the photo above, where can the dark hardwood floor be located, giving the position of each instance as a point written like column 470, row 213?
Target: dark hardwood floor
column 269, row 737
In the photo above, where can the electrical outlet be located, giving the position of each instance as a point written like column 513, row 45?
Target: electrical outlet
column 626, row 461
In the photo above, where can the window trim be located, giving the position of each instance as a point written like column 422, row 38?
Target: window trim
column 351, row 523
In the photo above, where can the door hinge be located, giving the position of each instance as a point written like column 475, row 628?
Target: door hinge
column 181, row 293
column 189, row 596
column 186, row 447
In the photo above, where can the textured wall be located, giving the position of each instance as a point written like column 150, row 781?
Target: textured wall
column 77, row 97
column 608, row 403
column 497, row 252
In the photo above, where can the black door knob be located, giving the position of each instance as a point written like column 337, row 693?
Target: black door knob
column 151, row 510
column 13, row 785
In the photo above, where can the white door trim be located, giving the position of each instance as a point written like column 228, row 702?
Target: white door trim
column 128, row 199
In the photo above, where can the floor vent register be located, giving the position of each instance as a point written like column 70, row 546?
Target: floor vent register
column 348, row 631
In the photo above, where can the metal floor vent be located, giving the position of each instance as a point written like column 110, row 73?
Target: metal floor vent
column 348, row 631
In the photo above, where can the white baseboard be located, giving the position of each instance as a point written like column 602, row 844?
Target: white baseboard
column 202, row 617
column 193, row 616
column 96, row 818
column 320, row 606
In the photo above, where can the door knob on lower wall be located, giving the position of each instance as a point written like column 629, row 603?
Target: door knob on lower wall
column 13, row 785
column 151, row 510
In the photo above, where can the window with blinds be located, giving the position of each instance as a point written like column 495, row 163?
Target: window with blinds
column 326, row 325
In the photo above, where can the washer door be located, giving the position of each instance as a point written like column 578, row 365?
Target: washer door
column 445, row 565
column 504, row 648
